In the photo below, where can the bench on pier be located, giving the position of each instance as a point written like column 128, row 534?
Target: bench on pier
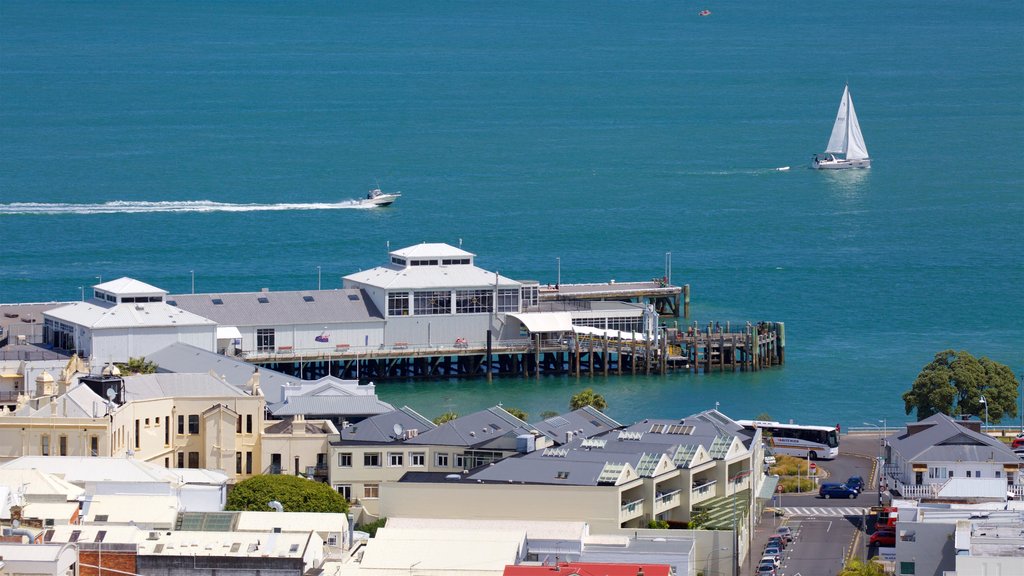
column 284, row 348
column 400, row 345
column 340, row 347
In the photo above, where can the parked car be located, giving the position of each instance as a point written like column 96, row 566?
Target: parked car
column 856, row 482
column 773, row 552
column 786, row 533
column 1018, row 442
column 778, row 542
column 770, row 560
column 883, row 538
column 829, row 490
column 1019, row 452
column 765, row 570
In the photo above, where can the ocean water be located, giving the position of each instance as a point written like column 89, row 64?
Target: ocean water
column 154, row 139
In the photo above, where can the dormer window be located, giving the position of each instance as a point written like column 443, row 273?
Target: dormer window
column 397, row 260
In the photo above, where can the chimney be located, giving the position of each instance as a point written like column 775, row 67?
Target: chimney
column 254, row 383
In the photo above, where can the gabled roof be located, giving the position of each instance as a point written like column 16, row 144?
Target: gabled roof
column 943, row 440
column 305, row 307
column 78, row 402
column 584, row 422
column 492, row 428
column 382, row 428
column 332, row 405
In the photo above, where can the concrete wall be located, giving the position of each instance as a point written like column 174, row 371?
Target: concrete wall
column 120, row 344
column 598, row 506
column 928, row 545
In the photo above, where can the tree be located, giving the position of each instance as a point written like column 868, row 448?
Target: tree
column 588, row 398
column 764, row 417
column 954, row 383
column 698, row 518
column 856, row 567
column 136, row 366
column 295, row 493
column 446, row 417
column 548, row 414
column 517, row 413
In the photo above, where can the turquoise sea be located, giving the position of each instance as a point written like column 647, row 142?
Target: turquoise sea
column 153, row 139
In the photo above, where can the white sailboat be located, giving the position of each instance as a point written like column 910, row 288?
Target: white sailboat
column 846, row 148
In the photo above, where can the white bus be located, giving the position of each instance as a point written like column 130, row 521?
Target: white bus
column 812, row 442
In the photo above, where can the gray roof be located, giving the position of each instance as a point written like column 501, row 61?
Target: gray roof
column 289, row 425
column 165, row 385
column 584, row 422
column 542, row 471
column 332, row 405
column 493, row 428
column 180, row 357
column 299, row 307
column 78, row 402
column 701, row 429
column 943, row 440
column 381, row 428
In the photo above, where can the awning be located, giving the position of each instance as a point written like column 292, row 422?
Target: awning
column 228, row 333
column 919, row 467
column 767, row 489
column 539, row 322
column 613, row 334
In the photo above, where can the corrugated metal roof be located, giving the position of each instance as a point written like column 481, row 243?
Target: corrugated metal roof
column 150, row 314
column 946, row 441
column 330, row 406
column 165, row 385
column 128, row 287
column 429, row 277
column 431, row 250
column 298, row 307
column 381, row 428
column 475, row 429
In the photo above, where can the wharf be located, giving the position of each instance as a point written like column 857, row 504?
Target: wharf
column 750, row 348
column 659, row 292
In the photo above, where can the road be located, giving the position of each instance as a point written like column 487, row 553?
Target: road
column 827, row 530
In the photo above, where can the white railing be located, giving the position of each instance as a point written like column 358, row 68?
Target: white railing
column 631, row 509
column 666, row 500
column 703, row 492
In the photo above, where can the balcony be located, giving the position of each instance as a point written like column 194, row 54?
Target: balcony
column 631, row 510
column 703, row 492
column 666, row 500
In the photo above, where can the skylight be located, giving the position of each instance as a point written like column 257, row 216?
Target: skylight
column 218, row 302
column 307, row 298
column 263, row 300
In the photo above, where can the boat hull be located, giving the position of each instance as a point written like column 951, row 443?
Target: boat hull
column 380, row 200
column 838, row 164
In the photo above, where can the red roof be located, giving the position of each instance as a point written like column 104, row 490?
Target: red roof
column 589, row 569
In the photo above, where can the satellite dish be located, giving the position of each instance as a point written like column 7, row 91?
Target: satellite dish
column 398, row 429
column 111, row 393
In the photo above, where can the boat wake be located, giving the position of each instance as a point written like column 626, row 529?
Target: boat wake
column 126, row 207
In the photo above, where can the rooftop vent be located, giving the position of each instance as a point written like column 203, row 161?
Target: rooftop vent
column 263, row 300
column 307, row 298
column 218, row 302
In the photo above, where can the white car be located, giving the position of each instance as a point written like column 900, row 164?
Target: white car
column 773, row 559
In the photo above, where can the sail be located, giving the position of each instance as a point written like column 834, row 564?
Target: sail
column 838, row 141
column 855, row 147
column 846, row 138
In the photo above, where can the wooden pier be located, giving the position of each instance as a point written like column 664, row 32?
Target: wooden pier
column 749, row 349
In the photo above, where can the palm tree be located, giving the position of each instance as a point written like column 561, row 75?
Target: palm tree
column 588, row 398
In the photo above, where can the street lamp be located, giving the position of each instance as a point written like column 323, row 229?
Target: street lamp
column 193, row 272
column 735, row 535
column 558, row 278
column 986, row 411
column 708, row 557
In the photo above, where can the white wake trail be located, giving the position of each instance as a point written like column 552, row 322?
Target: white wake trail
column 129, row 207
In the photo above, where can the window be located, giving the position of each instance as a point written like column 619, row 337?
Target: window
column 371, row 459
column 137, row 434
column 238, row 425
column 508, row 300
column 193, row 459
column 167, row 430
column 345, row 459
column 147, row 422
column 395, row 459
column 248, row 423
column 193, row 423
column 937, row 472
column 94, row 446
column 181, row 459
column 530, row 296
column 418, row 459
column 460, row 461
column 345, row 490
column 63, row 445
column 473, row 301
column 264, row 339
column 977, row 473
column 968, row 473
column 248, row 462
column 906, row 568
column 441, row 459
column 371, row 491
column 238, row 462
column 432, row 302
column 44, row 447
column 398, row 303
column 999, row 474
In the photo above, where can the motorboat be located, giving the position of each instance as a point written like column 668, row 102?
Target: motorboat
column 846, row 148
column 377, row 198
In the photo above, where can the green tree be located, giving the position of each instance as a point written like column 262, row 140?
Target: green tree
column 446, row 417
column 588, row 398
column 371, row 527
column 657, row 524
column 856, row 567
column 954, row 383
column 548, row 414
column 763, row 417
column 295, row 493
column 698, row 518
column 517, row 413
column 136, row 366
